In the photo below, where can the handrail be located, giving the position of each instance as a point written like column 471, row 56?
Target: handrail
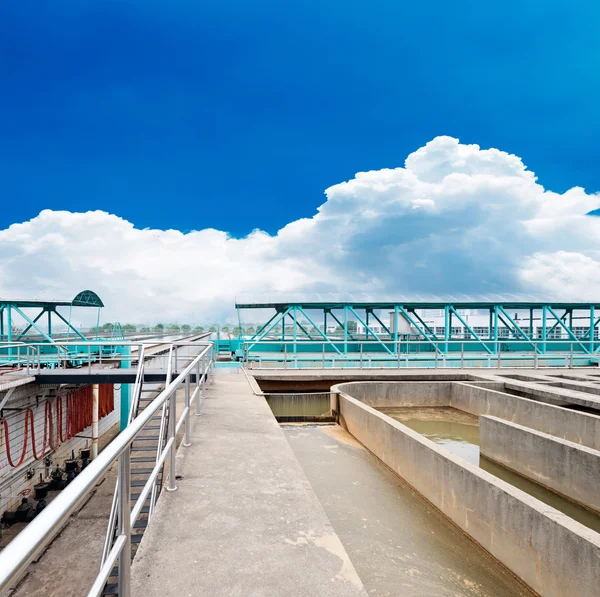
column 33, row 538
column 441, row 353
column 112, row 519
column 86, row 353
column 161, row 432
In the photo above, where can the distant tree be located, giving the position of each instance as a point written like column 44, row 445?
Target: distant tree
column 352, row 326
column 249, row 330
column 159, row 327
column 174, row 327
column 186, row 328
column 107, row 327
column 212, row 328
column 237, row 330
column 198, row 328
column 129, row 327
column 145, row 329
column 225, row 328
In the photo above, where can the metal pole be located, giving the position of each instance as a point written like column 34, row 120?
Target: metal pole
column 462, row 355
column 89, row 359
column 204, row 376
column 199, row 384
column 186, row 434
column 124, row 516
column 172, row 433
column 571, row 361
column 95, row 409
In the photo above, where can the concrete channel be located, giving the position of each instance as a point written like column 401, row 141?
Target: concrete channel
column 550, row 551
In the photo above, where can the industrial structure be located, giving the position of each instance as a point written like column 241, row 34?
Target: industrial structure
column 490, row 411
column 417, row 330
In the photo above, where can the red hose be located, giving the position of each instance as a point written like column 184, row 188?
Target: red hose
column 78, row 417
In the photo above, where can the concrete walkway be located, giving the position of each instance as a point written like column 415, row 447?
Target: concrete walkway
column 245, row 521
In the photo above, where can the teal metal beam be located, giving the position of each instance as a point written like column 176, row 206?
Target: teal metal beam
column 301, row 327
column 447, row 311
column 295, row 328
column 9, row 324
column 370, row 330
column 324, row 335
column 592, row 327
column 342, row 325
column 71, row 326
column 345, row 330
column 569, row 332
column 381, row 323
column 518, row 327
column 470, row 329
column 405, row 313
column 544, row 327
column 429, row 330
column 281, row 317
column 39, row 315
column 32, row 324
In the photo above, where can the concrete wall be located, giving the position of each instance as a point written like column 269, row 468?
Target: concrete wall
column 553, row 554
column 13, row 481
column 578, row 427
column 565, row 467
column 406, row 393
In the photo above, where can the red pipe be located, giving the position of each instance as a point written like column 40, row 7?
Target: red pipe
column 79, row 416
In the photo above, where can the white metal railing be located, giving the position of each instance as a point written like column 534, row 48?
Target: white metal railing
column 35, row 536
column 88, row 354
column 366, row 354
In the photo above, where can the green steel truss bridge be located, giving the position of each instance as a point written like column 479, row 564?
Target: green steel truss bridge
column 421, row 330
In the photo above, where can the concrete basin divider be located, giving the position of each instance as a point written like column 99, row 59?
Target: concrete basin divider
column 581, row 428
column 560, row 465
column 550, row 552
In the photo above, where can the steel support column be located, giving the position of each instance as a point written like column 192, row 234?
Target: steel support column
column 544, row 322
column 345, row 329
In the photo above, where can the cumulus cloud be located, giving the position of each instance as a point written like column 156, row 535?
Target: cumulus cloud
column 455, row 220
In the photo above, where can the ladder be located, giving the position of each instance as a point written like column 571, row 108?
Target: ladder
column 146, row 450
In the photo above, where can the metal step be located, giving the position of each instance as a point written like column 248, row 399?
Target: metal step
column 141, row 471
column 136, row 483
column 140, row 524
column 143, row 459
column 145, row 438
column 143, row 448
column 136, row 538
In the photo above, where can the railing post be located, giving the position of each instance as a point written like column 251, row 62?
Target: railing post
column 186, row 434
column 124, row 514
column 89, row 359
column 204, row 377
column 462, row 355
column 172, row 433
column 571, row 360
column 323, row 366
column 199, row 384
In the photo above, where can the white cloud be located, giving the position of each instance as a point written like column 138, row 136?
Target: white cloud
column 454, row 220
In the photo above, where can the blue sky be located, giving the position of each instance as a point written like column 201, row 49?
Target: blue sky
column 238, row 115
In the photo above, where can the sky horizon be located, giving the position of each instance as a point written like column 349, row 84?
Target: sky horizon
column 171, row 157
